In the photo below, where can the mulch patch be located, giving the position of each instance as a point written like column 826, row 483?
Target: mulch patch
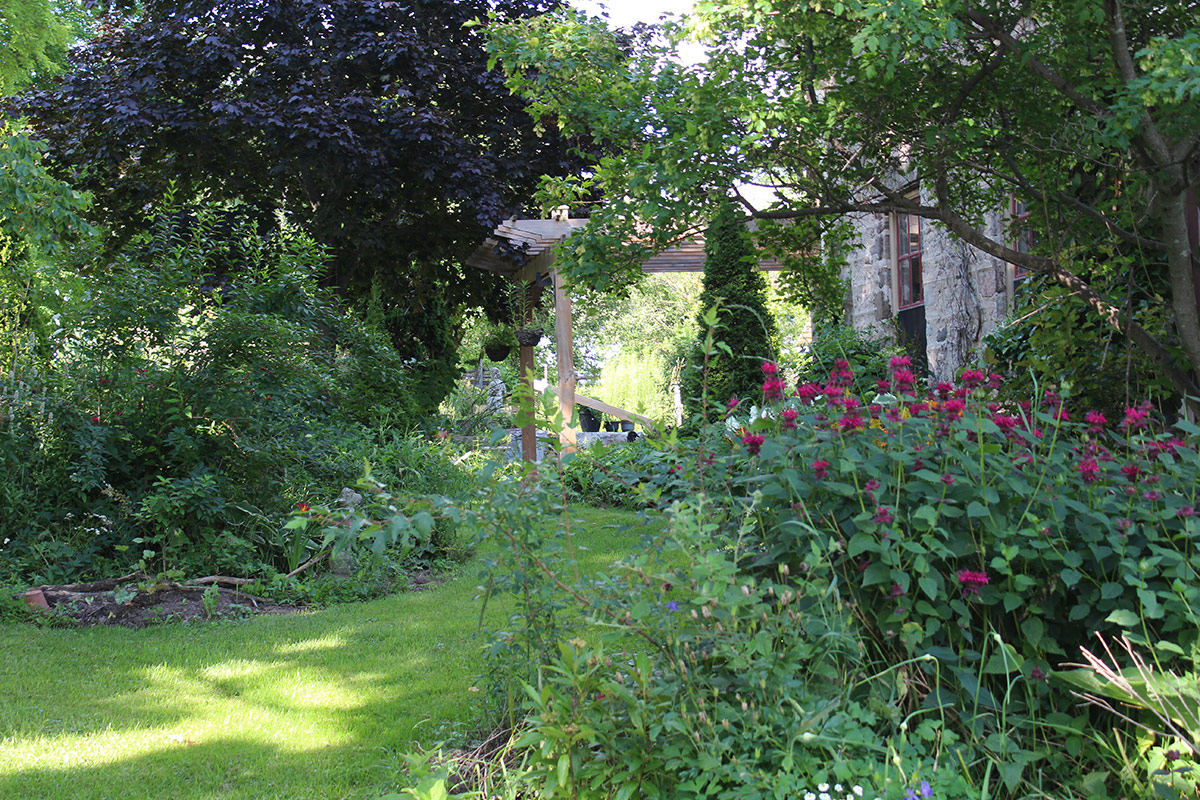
column 134, row 602
column 131, row 603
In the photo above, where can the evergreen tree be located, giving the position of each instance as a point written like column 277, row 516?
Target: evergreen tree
column 734, row 283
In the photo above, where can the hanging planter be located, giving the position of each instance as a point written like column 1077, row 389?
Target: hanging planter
column 498, row 344
column 529, row 337
column 497, row 351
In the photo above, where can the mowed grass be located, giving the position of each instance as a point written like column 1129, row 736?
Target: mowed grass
column 299, row 707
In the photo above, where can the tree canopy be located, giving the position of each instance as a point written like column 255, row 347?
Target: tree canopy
column 378, row 126
column 1087, row 112
column 34, row 35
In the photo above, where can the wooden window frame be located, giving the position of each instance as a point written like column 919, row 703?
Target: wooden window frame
column 904, row 256
column 1018, row 213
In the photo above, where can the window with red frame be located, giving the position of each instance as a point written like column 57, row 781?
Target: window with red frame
column 1023, row 240
column 908, row 260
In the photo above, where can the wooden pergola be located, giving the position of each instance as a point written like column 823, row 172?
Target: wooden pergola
column 537, row 238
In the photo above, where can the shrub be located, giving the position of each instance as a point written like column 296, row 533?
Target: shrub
column 734, row 285
column 202, row 384
column 601, row 475
column 875, row 595
column 867, row 354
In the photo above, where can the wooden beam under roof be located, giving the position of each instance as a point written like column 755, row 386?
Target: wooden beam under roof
column 540, row 235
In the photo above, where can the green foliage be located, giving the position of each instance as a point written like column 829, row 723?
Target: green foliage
column 201, row 385
column 627, row 346
column 867, row 353
column 843, row 594
column 1054, row 340
column 599, row 475
column 34, row 35
column 734, row 285
column 1081, row 115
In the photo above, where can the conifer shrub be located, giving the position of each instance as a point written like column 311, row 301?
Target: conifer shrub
column 735, row 285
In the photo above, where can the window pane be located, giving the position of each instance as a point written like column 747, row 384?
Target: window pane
column 914, row 234
column 918, row 288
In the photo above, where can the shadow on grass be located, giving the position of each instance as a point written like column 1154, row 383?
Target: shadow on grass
column 313, row 705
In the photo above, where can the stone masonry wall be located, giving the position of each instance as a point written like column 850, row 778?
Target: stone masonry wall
column 966, row 290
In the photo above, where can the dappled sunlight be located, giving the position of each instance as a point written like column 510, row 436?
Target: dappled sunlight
column 327, row 642
column 273, row 704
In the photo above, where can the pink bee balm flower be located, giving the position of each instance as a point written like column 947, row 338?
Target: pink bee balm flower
column 753, row 442
column 821, row 468
column 948, row 479
column 953, row 408
column 95, row 419
column 903, row 380
column 808, row 392
column 1131, row 471
column 899, row 361
column 972, row 378
column 1095, row 420
column 731, row 405
column 1136, row 418
column 788, row 417
column 770, row 368
column 883, row 515
column 971, row 581
column 773, row 388
column 1089, row 470
column 852, row 422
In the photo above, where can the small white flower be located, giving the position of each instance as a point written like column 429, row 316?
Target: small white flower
column 824, row 796
column 824, row 787
column 858, row 790
column 809, row 796
column 837, row 787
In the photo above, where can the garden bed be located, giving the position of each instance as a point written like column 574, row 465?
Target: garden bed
column 133, row 602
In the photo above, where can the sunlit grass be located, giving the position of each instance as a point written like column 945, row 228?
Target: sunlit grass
column 312, row 705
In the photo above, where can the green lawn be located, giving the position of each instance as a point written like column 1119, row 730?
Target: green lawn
column 313, row 705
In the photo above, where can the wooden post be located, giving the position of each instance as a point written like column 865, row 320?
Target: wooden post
column 529, row 432
column 525, row 359
column 563, row 334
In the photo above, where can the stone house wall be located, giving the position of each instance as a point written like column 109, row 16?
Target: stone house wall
column 967, row 292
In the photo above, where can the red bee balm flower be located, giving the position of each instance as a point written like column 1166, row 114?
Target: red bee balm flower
column 773, row 388
column 808, row 392
column 788, row 417
column 753, row 442
column 971, row 581
column 821, row 468
column 972, row 378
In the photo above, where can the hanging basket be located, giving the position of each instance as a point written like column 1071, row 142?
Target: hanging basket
column 529, row 337
column 497, row 352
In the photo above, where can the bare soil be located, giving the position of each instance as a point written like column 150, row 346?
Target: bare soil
column 132, row 604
